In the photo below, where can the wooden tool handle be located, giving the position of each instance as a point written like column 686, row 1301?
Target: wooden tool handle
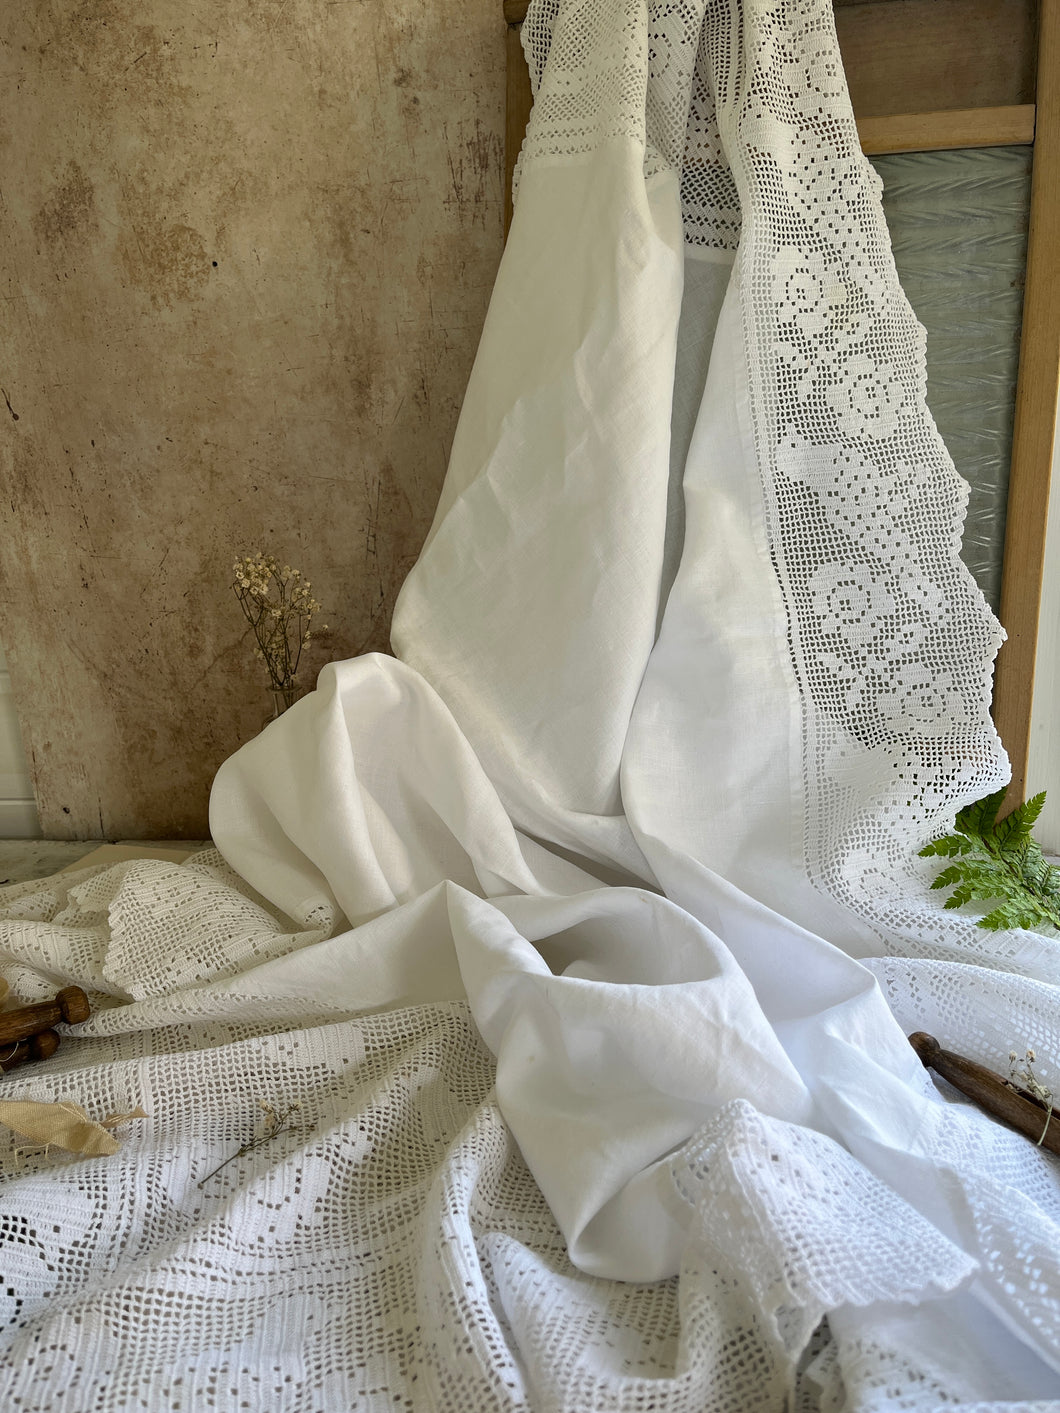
column 70, row 1005
column 37, row 1047
column 991, row 1092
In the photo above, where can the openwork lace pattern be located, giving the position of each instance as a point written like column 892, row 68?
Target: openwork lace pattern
column 388, row 1249
column 392, row 1243
column 890, row 641
column 604, row 72
column 597, row 95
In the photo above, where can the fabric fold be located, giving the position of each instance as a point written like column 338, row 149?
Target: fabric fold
column 691, row 615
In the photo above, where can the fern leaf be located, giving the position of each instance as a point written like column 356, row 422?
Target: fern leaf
column 1011, row 915
column 999, row 863
column 990, row 879
column 947, row 877
column 978, row 818
column 946, row 847
column 1011, row 833
column 1032, row 809
column 1036, row 869
column 960, row 896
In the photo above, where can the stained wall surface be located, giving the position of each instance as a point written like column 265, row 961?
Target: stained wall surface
column 247, row 251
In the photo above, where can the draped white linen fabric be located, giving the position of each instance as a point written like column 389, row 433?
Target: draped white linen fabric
column 687, row 672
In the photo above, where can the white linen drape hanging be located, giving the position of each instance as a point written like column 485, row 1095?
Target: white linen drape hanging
column 687, row 671
column 822, row 670
column 813, row 705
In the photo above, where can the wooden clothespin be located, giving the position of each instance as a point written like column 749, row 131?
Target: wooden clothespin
column 999, row 1097
column 26, row 1033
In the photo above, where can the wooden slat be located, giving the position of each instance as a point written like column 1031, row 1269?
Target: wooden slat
column 519, row 99
column 920, row 56
column 915, row 56
column 923, row 74
column 962, row 127
column 1035, row 419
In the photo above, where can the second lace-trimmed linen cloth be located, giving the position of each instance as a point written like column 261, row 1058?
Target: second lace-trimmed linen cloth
column 586, row 932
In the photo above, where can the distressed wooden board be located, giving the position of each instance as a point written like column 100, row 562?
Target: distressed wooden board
column 246, row 254
column 920, row 56
column 948, row 129
column 519, row 100
column 1035, row 423
column 907, row 62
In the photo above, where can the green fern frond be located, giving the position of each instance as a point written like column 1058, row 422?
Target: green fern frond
column 1000, row 863
column 1030, row 810
column 977, row 820
column 947, row 847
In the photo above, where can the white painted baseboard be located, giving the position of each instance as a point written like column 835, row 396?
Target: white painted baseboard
column 18, row 819
column 18, row 812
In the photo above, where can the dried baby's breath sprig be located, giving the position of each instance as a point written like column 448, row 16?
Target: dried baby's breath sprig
column 1025, row 1078
column 278, row 604
column 272, row 1125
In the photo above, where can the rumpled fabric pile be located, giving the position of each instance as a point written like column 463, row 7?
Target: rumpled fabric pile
column 576, row 946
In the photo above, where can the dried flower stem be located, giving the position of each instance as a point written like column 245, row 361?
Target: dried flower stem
column 277, row 603
column 274, row 1123
column 1028, row 1080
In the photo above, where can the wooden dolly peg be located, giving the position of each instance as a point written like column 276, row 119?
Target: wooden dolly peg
column 38, row 1047
column 997, row 1096
column 70, row 1005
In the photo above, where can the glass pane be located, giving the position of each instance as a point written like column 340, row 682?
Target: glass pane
column 958, row 223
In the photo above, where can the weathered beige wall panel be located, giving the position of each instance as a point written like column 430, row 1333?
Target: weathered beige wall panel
column 247, row 250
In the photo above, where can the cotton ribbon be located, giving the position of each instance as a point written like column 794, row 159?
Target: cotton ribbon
column 687, row 671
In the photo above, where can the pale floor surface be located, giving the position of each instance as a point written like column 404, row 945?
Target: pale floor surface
column 22, row 859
